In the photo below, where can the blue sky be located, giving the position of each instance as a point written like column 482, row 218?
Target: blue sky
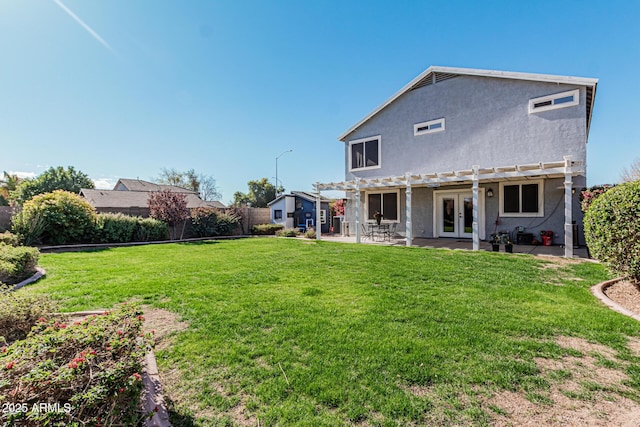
column 123, row 88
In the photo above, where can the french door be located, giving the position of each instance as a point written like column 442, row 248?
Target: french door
column 454, row 214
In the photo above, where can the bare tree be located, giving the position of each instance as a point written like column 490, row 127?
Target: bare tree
column 632, row 173
column 203, row 184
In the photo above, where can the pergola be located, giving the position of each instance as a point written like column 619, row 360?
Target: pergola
column 566, row 168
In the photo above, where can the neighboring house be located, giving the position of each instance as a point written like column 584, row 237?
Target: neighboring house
column 464, row 153
column 130, row 196
column 298, row 210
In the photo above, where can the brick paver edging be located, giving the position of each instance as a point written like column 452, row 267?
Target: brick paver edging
column 598, row 291
column 40, row 272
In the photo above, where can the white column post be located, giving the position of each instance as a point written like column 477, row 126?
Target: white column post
column 318, row 208
column 357, row 210
column 476, row 233
column 568, row 209
column 408, row 226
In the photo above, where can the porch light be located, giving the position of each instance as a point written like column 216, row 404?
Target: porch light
column 490, row 193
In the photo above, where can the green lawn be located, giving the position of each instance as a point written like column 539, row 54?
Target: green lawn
column 287, row 331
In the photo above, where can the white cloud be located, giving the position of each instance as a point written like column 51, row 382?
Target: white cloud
column 104, row 183
column 22, row 174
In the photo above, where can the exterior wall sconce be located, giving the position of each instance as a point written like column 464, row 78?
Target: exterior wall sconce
column 490, row 193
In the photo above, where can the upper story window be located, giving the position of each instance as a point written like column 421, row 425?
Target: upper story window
column 524, row 199
column 428, row 127
column 364, row 153
column 553, row 102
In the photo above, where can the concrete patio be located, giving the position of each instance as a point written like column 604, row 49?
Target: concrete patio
column 465, row 244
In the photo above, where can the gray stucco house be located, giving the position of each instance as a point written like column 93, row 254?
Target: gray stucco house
column 463, row 153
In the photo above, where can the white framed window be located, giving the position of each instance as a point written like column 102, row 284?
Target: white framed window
column 385, row 202
column 431, row 126
column 553, row 102
column 522, row 199
column 323, row 216
column 364, row 153
column 277, row 214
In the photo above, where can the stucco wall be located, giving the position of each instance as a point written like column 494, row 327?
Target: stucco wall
column 487, row 124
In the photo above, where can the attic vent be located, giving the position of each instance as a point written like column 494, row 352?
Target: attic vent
column 425, row 81
column 440, row 77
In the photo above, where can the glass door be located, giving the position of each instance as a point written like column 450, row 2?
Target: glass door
column 455, row 215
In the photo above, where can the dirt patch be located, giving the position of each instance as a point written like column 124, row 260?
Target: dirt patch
column 582, row 392
column 634, row 346
column 163, row 323
column 626, row 294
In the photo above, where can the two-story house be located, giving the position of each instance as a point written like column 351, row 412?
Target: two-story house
column 464, row 153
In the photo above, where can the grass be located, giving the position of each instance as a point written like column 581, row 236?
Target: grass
column 295, row 332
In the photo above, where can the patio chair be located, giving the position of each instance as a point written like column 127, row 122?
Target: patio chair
column 391, row 231
column 367, row 232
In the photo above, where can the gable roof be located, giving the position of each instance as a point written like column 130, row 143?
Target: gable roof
column 135, row 199
column 436, row 74
column 310, row 197
column 124, row 184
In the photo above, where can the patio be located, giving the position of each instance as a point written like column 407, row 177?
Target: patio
column 466, row 244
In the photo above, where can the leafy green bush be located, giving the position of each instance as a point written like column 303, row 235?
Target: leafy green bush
column 17, row 263
column 9, row 239
column 150, row 230
column 266, row 229
column 19, row 312
column 90, row 368
column 287, row 232
column 67, row 218
column 115, row 227
column 227, row 222
column 310, row 233
column 612, row 229
column 206, row 221
column 28, row 227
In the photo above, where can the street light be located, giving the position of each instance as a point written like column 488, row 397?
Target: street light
column 281, row 154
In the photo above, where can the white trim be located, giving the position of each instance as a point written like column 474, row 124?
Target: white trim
column 539, row 214
column 323, row 216
column 363, row 141
column 582, row 81
column 428, row 127
column 552, row 99
column 381, row 191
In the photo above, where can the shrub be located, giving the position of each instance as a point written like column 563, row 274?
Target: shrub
column 67, row 217
column 28, row 227
column 612, row 229
column 287, row 232
column 115, row 228
column 227, row 222
column 19, row 312
column 204, row 222
column 310, row 233
column 150, row 230
column 17, row 263
column 587, row 196
column 9, row 239
column 90, row 368
column 266, row 229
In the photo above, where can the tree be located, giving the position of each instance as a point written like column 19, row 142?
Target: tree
column 169, row 207
column 203, row 184
column 260, row 194
column 632, row 173
column 50, row 180
column 8, row 184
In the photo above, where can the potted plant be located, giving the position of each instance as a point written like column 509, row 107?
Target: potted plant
column 547, row 237
column 495, row 242
column 378, row 217
column 508, row 246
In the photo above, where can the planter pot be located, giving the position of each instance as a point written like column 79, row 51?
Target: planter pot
column 496, row 247
column 547, row 240
column 508, row 248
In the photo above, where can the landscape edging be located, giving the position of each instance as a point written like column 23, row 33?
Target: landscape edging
column 40, row 272
column 598, row 291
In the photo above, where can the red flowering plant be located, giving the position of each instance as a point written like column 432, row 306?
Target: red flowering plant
column 88, row 371
column 588, row 195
